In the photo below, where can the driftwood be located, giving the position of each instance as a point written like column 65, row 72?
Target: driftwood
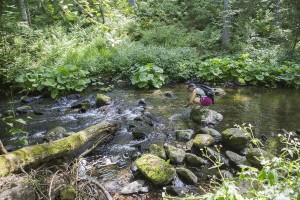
column 37, row 154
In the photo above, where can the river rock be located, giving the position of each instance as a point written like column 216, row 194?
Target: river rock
column 217, row 156
column 102, row 100
column 205, row 116
column 138, row 134
column 133, row 187
column 235, row 138
column 203, row 140
column 254, row 154
column 55, row 134
column 175, row 155
column 83, row 106
column 226, row 174
column 237, row 159
column 155, row 169
column 28, row 99
column 158, row 151
column 186, row 175
column 24, row 109
column 219, row 91
column 176, row 190
column 193, row 160
column 214, row 133
column 184, row 135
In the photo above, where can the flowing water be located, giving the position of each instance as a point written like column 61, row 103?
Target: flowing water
column 268, row 110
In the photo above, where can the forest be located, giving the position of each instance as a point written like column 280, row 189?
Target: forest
column 57, row 48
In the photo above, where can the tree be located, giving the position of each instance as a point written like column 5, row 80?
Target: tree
column 25, row 12
column 226, row 25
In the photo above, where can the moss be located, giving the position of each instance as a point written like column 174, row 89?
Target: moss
column 68, row 194
column 155, row 169
column 203, row 140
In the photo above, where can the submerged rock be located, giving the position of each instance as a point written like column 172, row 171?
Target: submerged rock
column 203, row 140
column 102, row 100
column 235, row 138
column 133, row 187
column 176, row 190
column 155, row 169
column 175, row 155
column 24, row 109
column 205, row 116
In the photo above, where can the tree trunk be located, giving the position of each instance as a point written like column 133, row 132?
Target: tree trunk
column 226, row 25
column 24, row 12
column 74, row 144
column 1, row 11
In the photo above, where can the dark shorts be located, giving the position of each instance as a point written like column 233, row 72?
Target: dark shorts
column 206, row 101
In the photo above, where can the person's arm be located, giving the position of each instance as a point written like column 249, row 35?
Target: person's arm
column 193, row 96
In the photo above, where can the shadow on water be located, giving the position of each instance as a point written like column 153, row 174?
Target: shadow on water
column 268, row 110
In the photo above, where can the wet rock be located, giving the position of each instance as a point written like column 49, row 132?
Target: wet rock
column 184, row 135
column 235, row 138
column 254, row 156
column 73, row 96
column 102, row 100
column 205, row 116
column 133, row 187
column 203, row 140
column 28, row 99
column 176, row 191
column 38, row 112
column 175, row 155
column 83, row 106
column 158, row 151
column 216, row 134
column 237, row 159
column 168, row 93
column 142, row 102
column 55, row 134
column 24, row 110
column 155, row 169
column 193, row 160
column 138, row 134
column 186, row 175
column 219, row 91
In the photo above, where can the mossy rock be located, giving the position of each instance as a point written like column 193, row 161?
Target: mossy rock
column 175, row 154
column 235, row 138
column 68, row 194
column 203, row 140
column 254, row 156
column 102, row 100
column 158, row 151
column 155, row 169
column 205, row 116
column 56, row 133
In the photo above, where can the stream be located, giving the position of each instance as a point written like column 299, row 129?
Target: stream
column 267, row 110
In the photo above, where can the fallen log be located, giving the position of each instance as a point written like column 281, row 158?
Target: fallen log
column 37, row 154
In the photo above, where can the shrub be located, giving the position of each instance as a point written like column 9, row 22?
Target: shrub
column 147, row 76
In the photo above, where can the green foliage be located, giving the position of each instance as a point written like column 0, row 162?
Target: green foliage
column 147, row 76
column 279, row 177
column 55, row 80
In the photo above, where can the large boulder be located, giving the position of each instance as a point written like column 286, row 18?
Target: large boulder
column 175, row 155
column 102, row 100
column 216, row 134
column 255, row 155
column 186, row 175
column 235, row 138
column 237, row 159
column 184, row 135
column 203, row 140
column 155, row 169
column 158, row 151
column 205, row 116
